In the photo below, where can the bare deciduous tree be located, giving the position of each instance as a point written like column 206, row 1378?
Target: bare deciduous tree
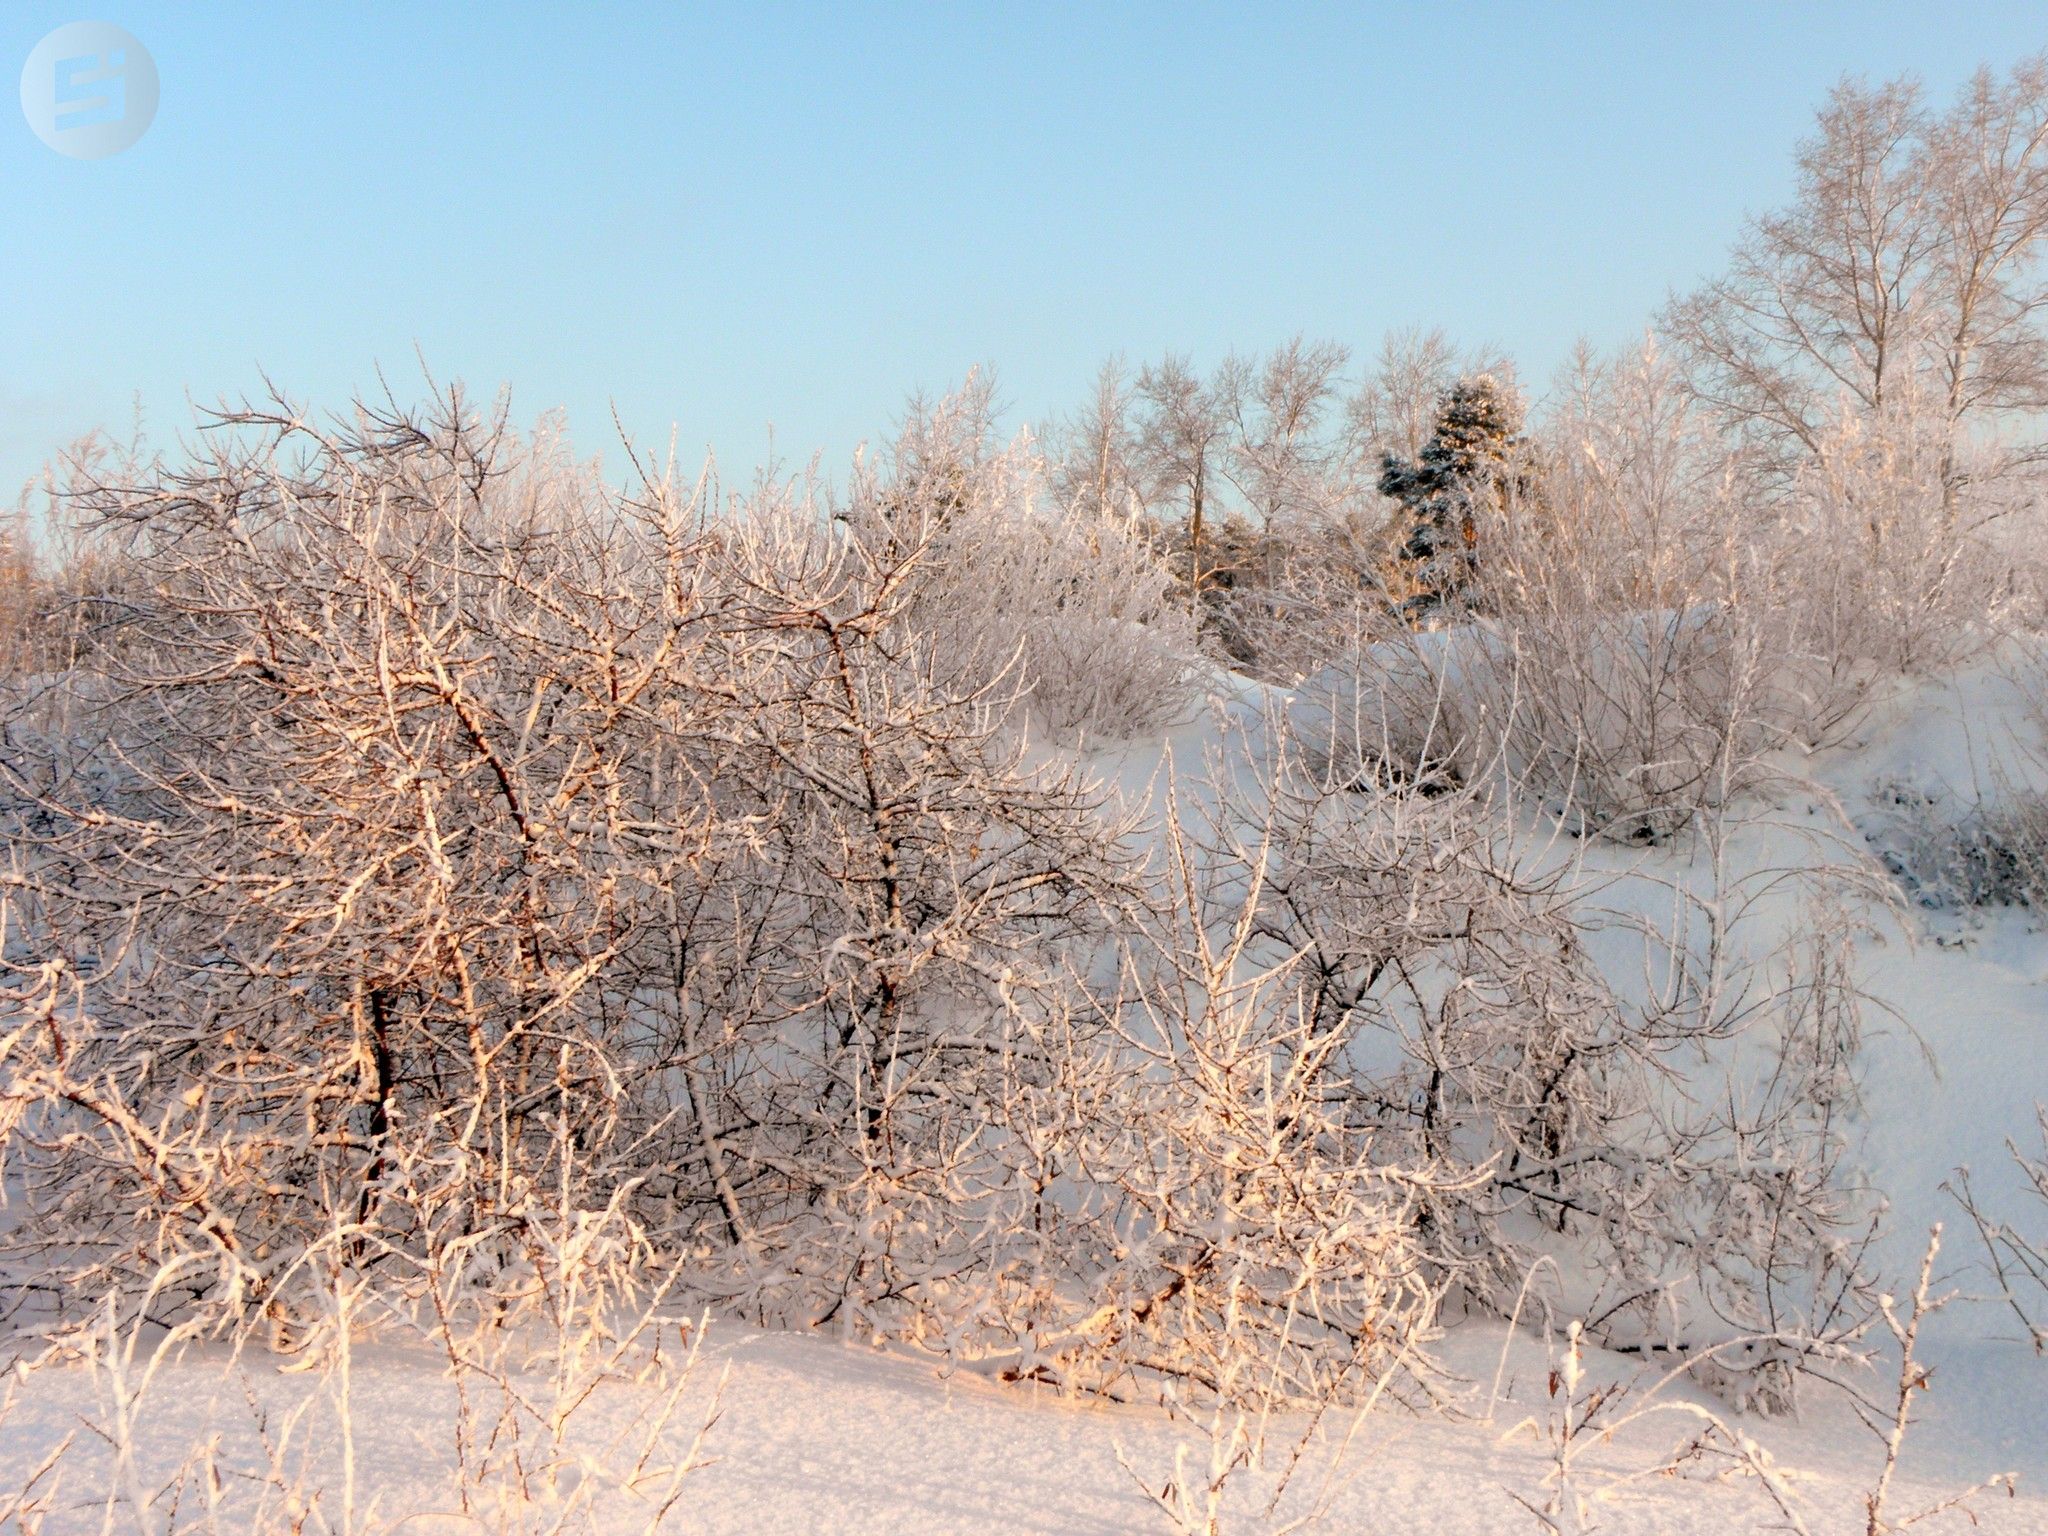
column 1903, row 284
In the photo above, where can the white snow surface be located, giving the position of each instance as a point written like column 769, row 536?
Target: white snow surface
column 823, row 1434
column 817, row 1435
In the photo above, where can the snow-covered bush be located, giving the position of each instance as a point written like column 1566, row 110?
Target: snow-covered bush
column 1623, row 726
column 1993, row 854
column 1882, row 568
column 1626, row 726
column 856, row 976
column 1981, row 844
column 2016, row 1240
column 1229, row 1223
column 341, row 839
column 23, row 595
column 453, row 855
column 1614, row 667
column 1073, row 602
column 437, row 793
column 1550, row 1099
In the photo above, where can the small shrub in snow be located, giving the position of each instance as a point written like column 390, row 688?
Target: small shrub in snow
column 1993, row 854
column 2016, row 1241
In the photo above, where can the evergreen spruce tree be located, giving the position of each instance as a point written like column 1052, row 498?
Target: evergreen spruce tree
column 1464, row 469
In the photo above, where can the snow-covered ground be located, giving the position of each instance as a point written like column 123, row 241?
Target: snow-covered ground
column 821, row 1434
column 816, row 1435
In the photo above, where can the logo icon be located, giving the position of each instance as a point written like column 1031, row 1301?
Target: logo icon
column 89, row 90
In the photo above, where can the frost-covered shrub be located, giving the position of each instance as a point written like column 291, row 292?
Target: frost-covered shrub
column 1881, row 568
column 1550, row 1100
column 1073, row 604
column 329, row 856
column 1221, row 1218
column 1358, row 1066
column 1319, row 601
column 437, row 793
column 2016, row 1239
column 853, row 981
column 1615, row 666
column 24, row 596
column 1623, row 726
column 453, row 854
column 1630, row 725
column 1993, row 854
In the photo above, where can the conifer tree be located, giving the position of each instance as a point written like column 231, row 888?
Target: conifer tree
column 1465, row 468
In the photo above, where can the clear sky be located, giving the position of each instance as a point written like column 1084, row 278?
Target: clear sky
column 726, row 217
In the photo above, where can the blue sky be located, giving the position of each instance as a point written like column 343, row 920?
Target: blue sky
column 721, row 218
